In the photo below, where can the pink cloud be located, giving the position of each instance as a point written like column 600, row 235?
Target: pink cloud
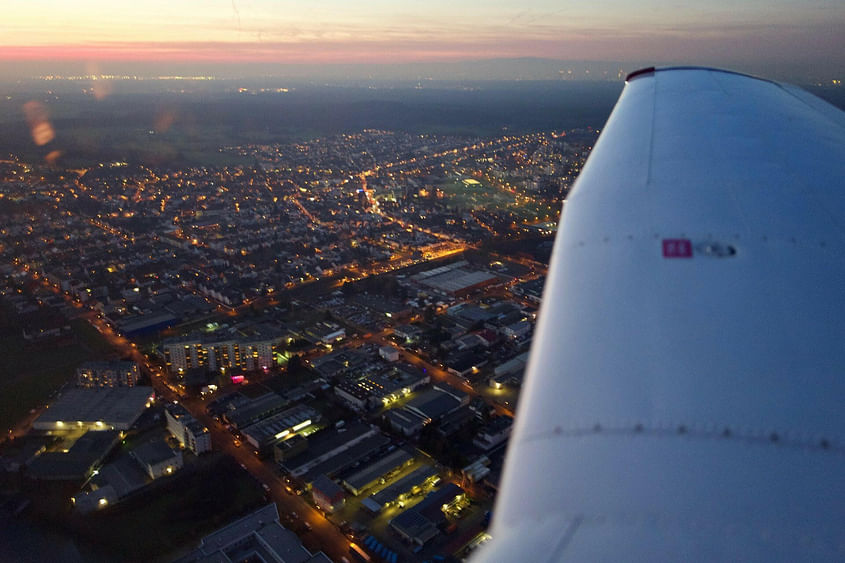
column 708, row 45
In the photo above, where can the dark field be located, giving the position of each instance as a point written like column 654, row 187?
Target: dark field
column 31, row 371
column 188, row 128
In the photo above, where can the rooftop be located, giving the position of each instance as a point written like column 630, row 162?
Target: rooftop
column 116, row 406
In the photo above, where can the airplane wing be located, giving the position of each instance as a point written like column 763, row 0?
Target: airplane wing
column 685, row 394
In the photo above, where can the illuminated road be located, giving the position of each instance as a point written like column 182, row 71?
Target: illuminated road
column 294, row 511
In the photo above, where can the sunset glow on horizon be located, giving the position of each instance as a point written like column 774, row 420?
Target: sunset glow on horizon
column 385, row 32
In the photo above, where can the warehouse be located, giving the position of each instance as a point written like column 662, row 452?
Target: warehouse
column 115, row 408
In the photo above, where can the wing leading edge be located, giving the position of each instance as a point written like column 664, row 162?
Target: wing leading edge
column 684, row 392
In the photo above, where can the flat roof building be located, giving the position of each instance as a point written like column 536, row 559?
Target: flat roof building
column 279, row 426
column 420, row 523
column 361, row 480
column 325, row 444
column 255, row 410
column 496, row 431
column 327, row 494
column 346, row 458
column 157, row 458
column 398, row 490
column 185, row 428
column 115, row 408
column 455, row 279
column 78, row 462
column 107, row 374
column 258, row 536
column 437, row 402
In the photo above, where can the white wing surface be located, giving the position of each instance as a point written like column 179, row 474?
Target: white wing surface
column 685, row 396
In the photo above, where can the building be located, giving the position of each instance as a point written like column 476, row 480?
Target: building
column 257, row 409
column 429, row 406
column 115, row 408
column 389, row 353
column 324, row 445
column 146, row 324
column 512, row 366
column 250, row 351
column 361, row 480
column 405, row 487
column 265, row 433
column 408, row 333
column 493, row 433
column 423, row 522
column 519, row 329
column 532, row 290
column 157, row 458
column 327, row 494
column 380, row 389
column 76, row 463
column 97, row 499
column 437, row 402
column 188, row 430
column 325, row 333
column 405, row 421
column 358, row 398
column 332, row 451
column 455, row 279
column 258, row 536
column 477, row 470
column 107, row 374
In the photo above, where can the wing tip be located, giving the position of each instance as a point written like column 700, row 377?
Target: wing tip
column 651, row 70
column 641, row 72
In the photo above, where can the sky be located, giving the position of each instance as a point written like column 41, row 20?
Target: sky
column 779, row 36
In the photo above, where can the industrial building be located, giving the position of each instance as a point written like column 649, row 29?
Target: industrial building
column 252, row 411
column 361, row 480
column 493, row 433
column 437, row 402
column 369, row 391
column 422, row 522
column 405, row 421
column 408, row 485
column 265, row 433
column 455, row 279
column 157, row 458
column 428, row 406
column 114, row 408
column 78, row 462
column 326, row 444
column 258, row 536
column 327, row 494
column 325, row 333
column 346, row 458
